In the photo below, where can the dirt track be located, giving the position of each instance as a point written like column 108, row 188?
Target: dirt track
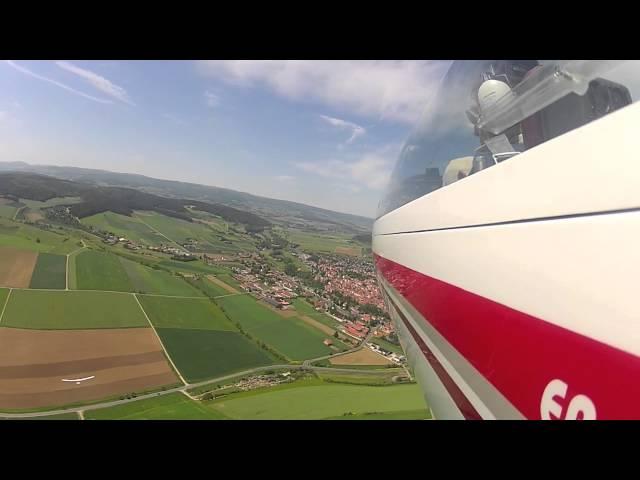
column 34, row 363
column 16, row 267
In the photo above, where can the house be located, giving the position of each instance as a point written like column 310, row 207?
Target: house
column 327, row 342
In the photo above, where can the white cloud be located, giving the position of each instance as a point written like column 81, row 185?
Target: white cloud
column 386, row 89
column 356, row 130
column 26, row 71
column 371, row 170
column 3, row 115
column 99, row 82
column 211, row 99
column 284, row 178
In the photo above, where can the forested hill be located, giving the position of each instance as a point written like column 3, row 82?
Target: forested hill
column 97, row 199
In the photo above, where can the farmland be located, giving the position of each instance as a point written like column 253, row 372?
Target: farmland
column 211, row 289
column 221, row 284
column 16, row 267
column 101, row 271
column 49, row 272
column 323, row 243
column 200, row 339
column 364, row 356
column 290, row 336
column 35, row 363
column 185, row 313
column 147, row 280
column 41, row 309
column 202, row 354
column 24, row 236
column 174, row 406
column 123, row 226
column 314, row 399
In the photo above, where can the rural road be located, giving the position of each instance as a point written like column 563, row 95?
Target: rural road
column 114, row 403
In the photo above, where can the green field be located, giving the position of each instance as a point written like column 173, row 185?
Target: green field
column 315, row 399
column 357, row 378
column 290, row 336
column 322, row 243
column 147, row 280
column 101, row 271
column 123, row 226
column 202, row 354
column 50, row 310
column 19, row 235
column 193, row 314
column 3, row 297
column 173, row 406
column 71, row 272
column 49, row 272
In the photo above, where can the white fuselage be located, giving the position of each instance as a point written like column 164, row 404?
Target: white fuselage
column 514, row 290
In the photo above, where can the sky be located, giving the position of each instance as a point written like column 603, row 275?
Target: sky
column 324, row 133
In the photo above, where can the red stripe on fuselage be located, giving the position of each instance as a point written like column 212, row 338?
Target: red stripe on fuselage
column 520, row 354
column 458, row 397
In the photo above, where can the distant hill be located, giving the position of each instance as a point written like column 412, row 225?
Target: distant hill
column 98, row 199
column 282, row 212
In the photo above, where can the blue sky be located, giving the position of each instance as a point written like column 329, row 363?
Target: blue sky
column 325, row 133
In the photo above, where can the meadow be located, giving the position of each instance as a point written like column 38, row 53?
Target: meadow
column 46, row 310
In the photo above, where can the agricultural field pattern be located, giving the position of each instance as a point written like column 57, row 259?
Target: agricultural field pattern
column 144, row 316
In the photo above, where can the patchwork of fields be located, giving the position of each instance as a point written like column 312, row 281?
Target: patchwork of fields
column 109, row 334
column 200, row 339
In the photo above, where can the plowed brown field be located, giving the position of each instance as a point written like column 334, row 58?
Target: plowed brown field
column 16, row 267
column 36, row 365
